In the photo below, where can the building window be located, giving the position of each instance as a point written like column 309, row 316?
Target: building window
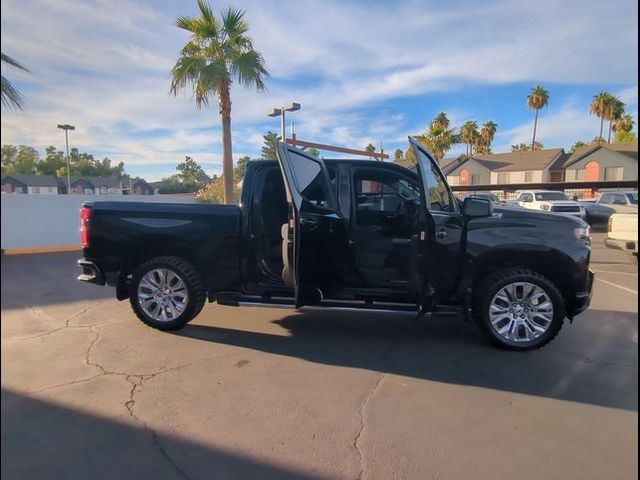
column 503, row 178
column 464, row 177
column 476, row 179
column 612, row 174
column 528, row 177
column 580, row 174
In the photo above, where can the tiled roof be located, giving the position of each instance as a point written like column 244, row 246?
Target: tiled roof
column 629, row 149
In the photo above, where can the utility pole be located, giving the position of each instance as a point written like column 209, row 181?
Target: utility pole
column 66, row 127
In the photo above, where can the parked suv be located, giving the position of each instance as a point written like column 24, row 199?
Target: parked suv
column 550, row 201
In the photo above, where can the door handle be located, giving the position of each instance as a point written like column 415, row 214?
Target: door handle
column 441, row 234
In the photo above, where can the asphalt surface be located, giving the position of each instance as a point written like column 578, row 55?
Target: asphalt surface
column 90, row 392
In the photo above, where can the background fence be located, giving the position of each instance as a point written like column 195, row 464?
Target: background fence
column 583, row 190
column 52, row 220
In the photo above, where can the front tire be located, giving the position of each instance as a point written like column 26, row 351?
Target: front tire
column 519, row 309
column 166, row 293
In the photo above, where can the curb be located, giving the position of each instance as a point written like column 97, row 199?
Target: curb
column 43, row 249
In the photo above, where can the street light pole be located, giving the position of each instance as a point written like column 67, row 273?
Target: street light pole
column 274, row 112
column 66, row 127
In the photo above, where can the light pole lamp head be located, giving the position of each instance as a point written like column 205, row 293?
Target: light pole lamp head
column 274, row 112
column 292, row 107
column 66, row 126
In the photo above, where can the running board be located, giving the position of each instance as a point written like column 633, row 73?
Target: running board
column 235, row 300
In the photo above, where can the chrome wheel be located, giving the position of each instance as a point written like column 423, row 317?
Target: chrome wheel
column 162, row 294
column 521, row 312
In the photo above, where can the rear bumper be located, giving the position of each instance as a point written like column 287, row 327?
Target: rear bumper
column 90, row 272
column 583, row 298
column 626, row 245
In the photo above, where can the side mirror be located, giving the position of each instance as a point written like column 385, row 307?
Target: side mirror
column 477, row 207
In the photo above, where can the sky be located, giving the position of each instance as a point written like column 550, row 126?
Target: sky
column 363, row 71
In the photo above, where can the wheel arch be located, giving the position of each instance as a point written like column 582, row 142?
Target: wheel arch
column 553, row 264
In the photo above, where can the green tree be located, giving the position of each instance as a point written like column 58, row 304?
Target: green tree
column 523, row 147
column 398, row 156
column 577, row 145
column 11, row 98
column 438, row 138
column 536, row 100
column 53, row 161
column 614, row 111
column 624, row 123
column 270, row 140
column 370, row 149
column 313, row 151
column 486, row 136
column 599, row 107
column 190, row 172
column 469, row 135
column 622, row 136
column 241, row 167
column 21, row 159
column 218, row 53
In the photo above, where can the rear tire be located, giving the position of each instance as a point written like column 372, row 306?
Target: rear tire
column 166, row 293
column 527, row 318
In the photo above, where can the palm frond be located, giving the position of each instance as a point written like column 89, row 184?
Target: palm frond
column 11, row 98
column 12, row 62
column 234, row 23
column 249, row 68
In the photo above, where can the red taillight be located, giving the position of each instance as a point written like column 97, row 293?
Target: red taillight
column 85, row 215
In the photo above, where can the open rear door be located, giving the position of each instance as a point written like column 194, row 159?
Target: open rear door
column 314, row 241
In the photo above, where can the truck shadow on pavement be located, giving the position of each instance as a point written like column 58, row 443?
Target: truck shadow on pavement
column 44, row 440
column 585, row 364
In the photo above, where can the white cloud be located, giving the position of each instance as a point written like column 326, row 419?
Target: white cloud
column 99, row 64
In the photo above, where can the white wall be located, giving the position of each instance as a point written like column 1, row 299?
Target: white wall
column 52, row 220
column 43, row 190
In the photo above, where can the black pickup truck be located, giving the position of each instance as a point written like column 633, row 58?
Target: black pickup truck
column 344, row 234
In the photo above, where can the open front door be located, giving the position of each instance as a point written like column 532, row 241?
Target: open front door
column 438, row 243
column 314, row 241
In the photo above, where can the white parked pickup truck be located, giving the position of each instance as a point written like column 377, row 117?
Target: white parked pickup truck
column 550, row 201
column 623, row 233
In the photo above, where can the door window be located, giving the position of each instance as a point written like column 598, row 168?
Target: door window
column 384, row 195
column 309, row 179
column 437, row 193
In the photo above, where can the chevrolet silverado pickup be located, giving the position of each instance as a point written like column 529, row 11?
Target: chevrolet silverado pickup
column 344, row 234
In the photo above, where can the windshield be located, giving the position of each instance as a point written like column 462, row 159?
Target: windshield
column 551, row 196
column 633, row 197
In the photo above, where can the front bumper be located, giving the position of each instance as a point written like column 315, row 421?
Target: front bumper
column 626, row 245
column 583, row 298
column 90, row 272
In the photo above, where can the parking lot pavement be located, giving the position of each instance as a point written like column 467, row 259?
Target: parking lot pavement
column 90, row 392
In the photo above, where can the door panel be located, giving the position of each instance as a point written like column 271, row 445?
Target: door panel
column 314, row 240
column 438, row 249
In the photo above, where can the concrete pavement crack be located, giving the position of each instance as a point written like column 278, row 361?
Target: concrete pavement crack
column 136, row 382
column 361, row 413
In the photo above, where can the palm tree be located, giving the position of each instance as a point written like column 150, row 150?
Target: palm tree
column 598, row 107
column 487, row 133
column 469, row 134
column 11, row 98
column 537, row 99
column 218, row 53
column 438, row 138
column 615, row 110
column 624, row 123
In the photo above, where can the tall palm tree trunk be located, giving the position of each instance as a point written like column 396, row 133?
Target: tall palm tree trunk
column 601, row 127
column 610, row 127
column 535, row 127
column 227, row 156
